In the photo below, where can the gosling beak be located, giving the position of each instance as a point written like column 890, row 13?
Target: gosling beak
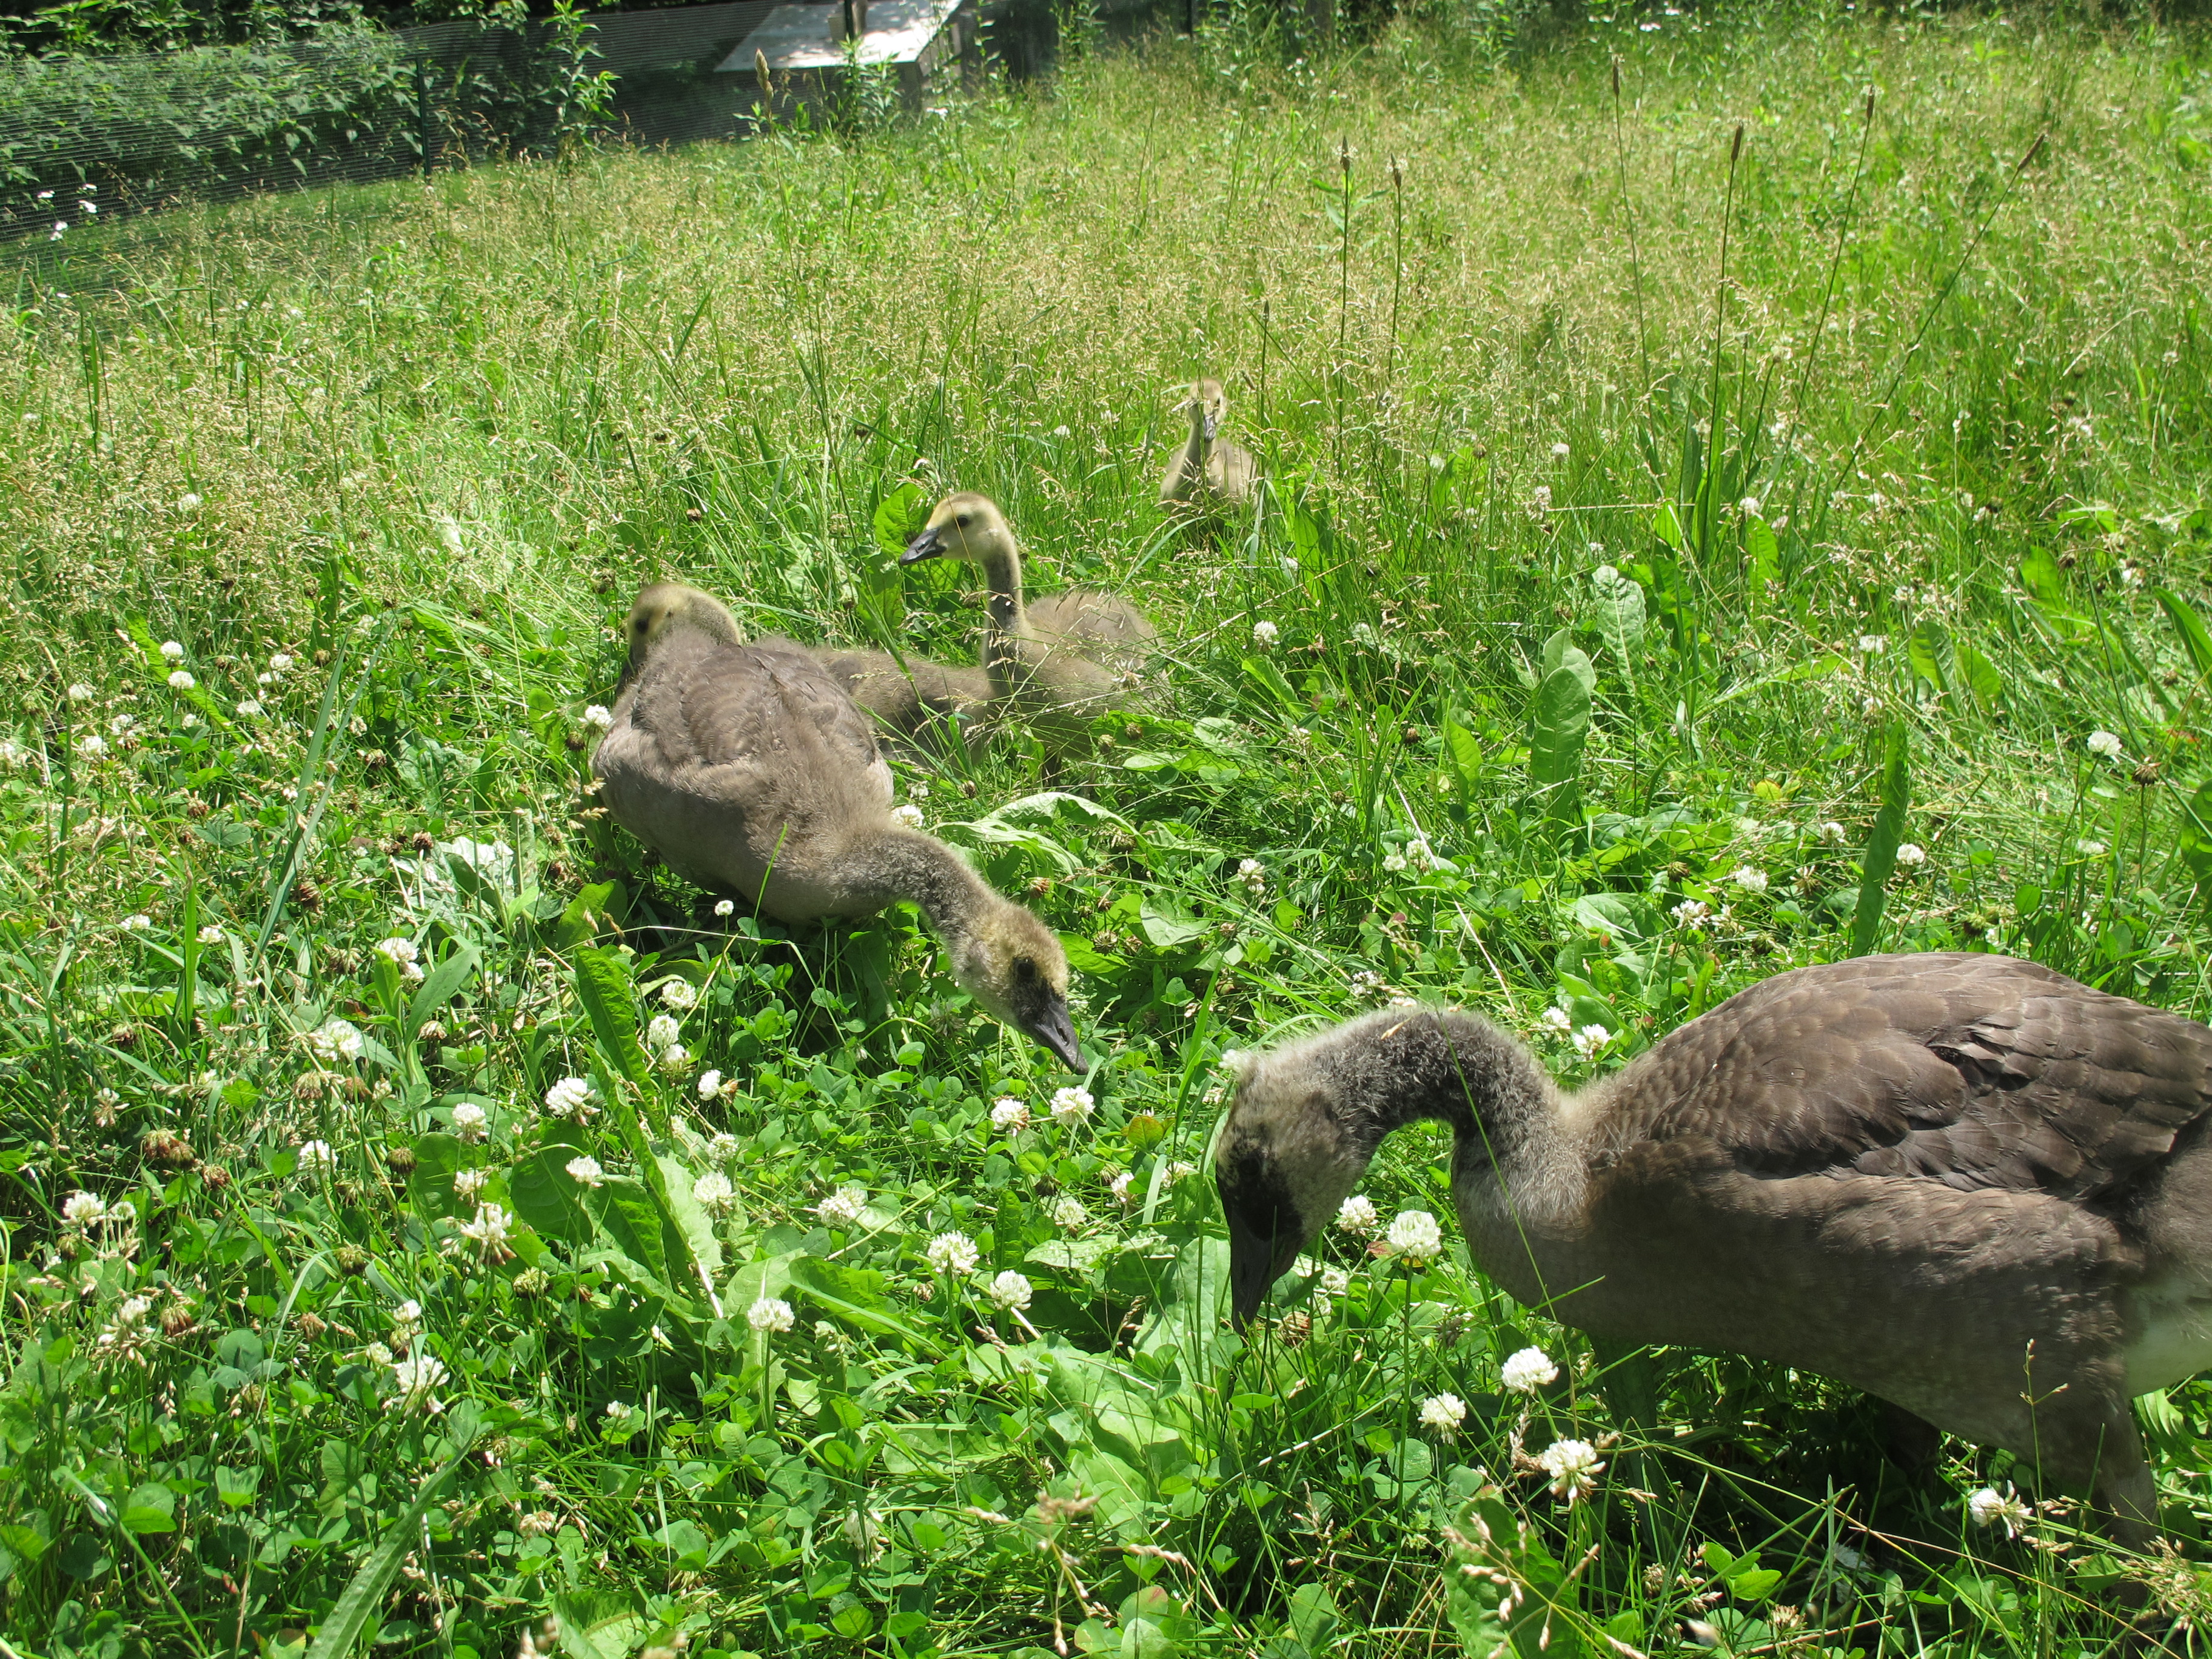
column 1056, row 1032
column 1252, row 1271
column 1211, row 424
column 929, row 545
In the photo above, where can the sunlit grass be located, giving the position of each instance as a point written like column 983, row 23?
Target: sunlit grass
column 422, row 443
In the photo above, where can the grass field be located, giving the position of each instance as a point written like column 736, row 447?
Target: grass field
column 1663, row 480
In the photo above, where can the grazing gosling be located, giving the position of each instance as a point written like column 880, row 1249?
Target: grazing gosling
column 920, row 703
column 747, row 768
column 1208, row 471
column 1062, row 662
column 1899, row 1171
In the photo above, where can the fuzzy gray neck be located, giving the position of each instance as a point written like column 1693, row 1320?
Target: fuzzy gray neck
column 896, row 865
column 1198, row 448
column 1456, row 1068
column 1002, row 576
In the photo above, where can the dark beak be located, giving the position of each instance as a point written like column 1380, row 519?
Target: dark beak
column 1056, row 1032
column 1252, row 1269
column 1212, row 424
column 928, row 545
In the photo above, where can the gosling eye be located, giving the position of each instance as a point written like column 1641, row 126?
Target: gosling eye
column 1025, row 968
column 962, row 520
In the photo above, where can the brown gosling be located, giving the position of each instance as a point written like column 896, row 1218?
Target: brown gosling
column 749, row 769
column 1208, row 471
column 1953, row 1181
column 919, row 703
column 1060, row 662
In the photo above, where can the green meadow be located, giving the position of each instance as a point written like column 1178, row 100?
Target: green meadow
column 1737, row 495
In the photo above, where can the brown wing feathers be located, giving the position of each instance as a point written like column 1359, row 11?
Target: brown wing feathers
column 1951, row 1070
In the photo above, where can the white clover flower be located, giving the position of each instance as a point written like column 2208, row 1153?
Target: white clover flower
column 1254, row 876
column 600, row 717
column 92, row 746
column 1067, row 1213
column 844, row 1207
column 1573, row 1467
column 620, row 1410
column 1357, row 1216
column 488, row 1231
column 1910, row 853
column 1123, row 1186
column 1540, row 499
column 1528, row 1371
column 1751, row 878
column 1010, row 1115
column 406, row 1316
column 396, row 950
column 917, row 790
column 181, row 681
column 907, row 813
column 725, row 907
column 1555, row 1022
column 1989, row 1508
column 334, row 1039
column 416, row 1378
column 675, row 1059
column 1071, row 1106
column 1265, row 633
column 1560, row 452
column 715, row 1193
column 251, row 708
column 83, row 1209
column 724, row 1146
column 1393, row 863
column 2106, row 743
column 1872, row 645
column 1591, row 1038
column 2094, row 850
column 772, row 1315
column 709, row 1085
column 570, row 1097
column 172, row 651
column 1335, row 1280
column 281, row 663
column 470, row 1123
column 137, row 924
column 951, row 1253
column 467, row 1183
column 1415, row 1237
column 1832, row 832
column 1443, row 1412
column 680, row 995
column 661, row 1032
column 585, row 1171
column 79, row 692
column 1010, row 1290
column 189, row 502
column 1695, row 915
column 316, row 1157
column 377, row 1354
column 1749, row 505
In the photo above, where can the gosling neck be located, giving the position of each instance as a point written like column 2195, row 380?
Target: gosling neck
column 922, row 871
column 1001, row 561
column 1459, row 1070
column 1198, row 448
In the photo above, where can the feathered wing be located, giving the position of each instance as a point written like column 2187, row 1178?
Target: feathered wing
column 1976, row 1071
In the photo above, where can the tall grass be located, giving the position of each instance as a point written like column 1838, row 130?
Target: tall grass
column 1689, row 494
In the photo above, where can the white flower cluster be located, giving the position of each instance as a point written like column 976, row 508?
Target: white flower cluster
column 404, row 954
column 1573, row 1467
column 1253, row 877
column 2106, row 743
column 844, row 1207
column 771, row 1315
column 335, row 1040
column 1443, row 1412
column 1071, row 1106
column 585, row 1171
column 1414, row 1237
column 951, row 1253
column 1067, row 1213
column 570, row 1097
column 1265, row 633
column 1591, row 1038
column 1010, row 1290
column 715, row 1193
column 680, row 995
column 316, row 1158
column 907, row 813
column 1911, row 855
column 1009, row 1115
column 416, row 1378
column 1527, row 1371
column 1357, row 1216
column 1989, row 1507
column 1750, row 878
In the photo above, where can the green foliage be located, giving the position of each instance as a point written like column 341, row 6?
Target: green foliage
column 415, row 1108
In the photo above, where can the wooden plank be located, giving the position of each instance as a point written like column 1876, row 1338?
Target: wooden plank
column 802, row 36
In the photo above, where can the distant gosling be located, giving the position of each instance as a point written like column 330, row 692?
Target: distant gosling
column 1208, row 471
column 749, row 769
column 1060, row 662
column 1953, row 1181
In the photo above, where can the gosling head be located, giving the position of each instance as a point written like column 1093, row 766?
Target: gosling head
column 664, row 606
column 965, row 525
column 1286, row 1158
column 1208, row 407
column 1012, row 963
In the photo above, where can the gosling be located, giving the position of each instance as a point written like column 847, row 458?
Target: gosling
column 1897, row 1171
column 747, row 768
column 1062, row 662
column 921, row 704
column 1208, row 471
